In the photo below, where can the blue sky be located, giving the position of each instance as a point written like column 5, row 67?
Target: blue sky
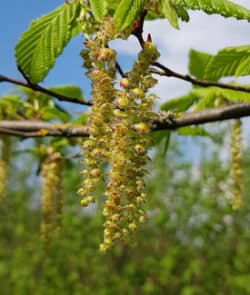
column 207, row 33
column 15, row 18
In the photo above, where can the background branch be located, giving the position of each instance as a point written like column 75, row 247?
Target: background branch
column 167, row 121
column 30, row 128
column 41, row 89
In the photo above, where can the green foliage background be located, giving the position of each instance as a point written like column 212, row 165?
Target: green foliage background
column 192, row 243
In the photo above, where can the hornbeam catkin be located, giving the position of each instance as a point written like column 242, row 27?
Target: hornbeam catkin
column 51, row 198
column 125, row 191
column 120, row 121
column 236, row 163
column 100, row 61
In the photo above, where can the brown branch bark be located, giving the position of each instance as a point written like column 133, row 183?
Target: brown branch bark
column 29, row 128
column 40, row 129
column 223, row 113
column 170, row 73
column 41, row 89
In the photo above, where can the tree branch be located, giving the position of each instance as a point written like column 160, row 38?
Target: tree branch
column 41, row 89
column 30, row 128
column 223, row 113
column 165, row 71
column 27, row 128
column 170, row 73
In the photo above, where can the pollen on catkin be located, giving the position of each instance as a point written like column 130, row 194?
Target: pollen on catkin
column 236, row 163
column 100, row 62
column 51, row 197
column 125, row 191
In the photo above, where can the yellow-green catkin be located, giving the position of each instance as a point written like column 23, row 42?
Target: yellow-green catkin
column 51, row 197
column 125, row 192
column 5, row 143
column 236, row 163
column 100, row 62
column 59, row 194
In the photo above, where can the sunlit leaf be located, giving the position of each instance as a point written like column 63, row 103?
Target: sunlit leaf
column 45, row 39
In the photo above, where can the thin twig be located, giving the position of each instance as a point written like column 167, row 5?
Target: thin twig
column 170, row 73
column 41, row 89
column 165, row 71
column 119, row 69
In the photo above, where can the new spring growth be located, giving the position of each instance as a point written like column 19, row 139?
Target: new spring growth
column 100, row 62
column 51, row 195
column 236, row 163
column 125, row 192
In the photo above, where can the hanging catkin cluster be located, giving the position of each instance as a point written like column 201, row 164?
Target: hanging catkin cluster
column 4, row 162
column 51, row 198
column 119, row 123
column 236, row 163
column 125, row 191
column 100, row 61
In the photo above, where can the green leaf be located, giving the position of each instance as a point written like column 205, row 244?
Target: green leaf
column 181, row 12
column 14, row 100
column 223, row 7
column 205, row 97
column 82, row 119
column 169, row 12
column 233, row 95
column 52, row 113
column 68, row 90
column 230, row 61
column 45, row 39
column 127, row 12
column 208, row 97
column 99, row 9
column 179, row 104
column 197, row 63
column 193, row 131
column 59, row 143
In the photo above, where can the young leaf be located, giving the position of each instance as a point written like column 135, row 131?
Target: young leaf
column 169, row 12
column 99, row 9
column 179, row 104
column 205, row 97
column 233, row 95
column 193, row 131
column 197, row 63
column 68, row 90
column 45, row 39
column 52, row 113
column 223, row 7
column 231, row 61
column 181, row 12
column 127, row 12
column 82, row 119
